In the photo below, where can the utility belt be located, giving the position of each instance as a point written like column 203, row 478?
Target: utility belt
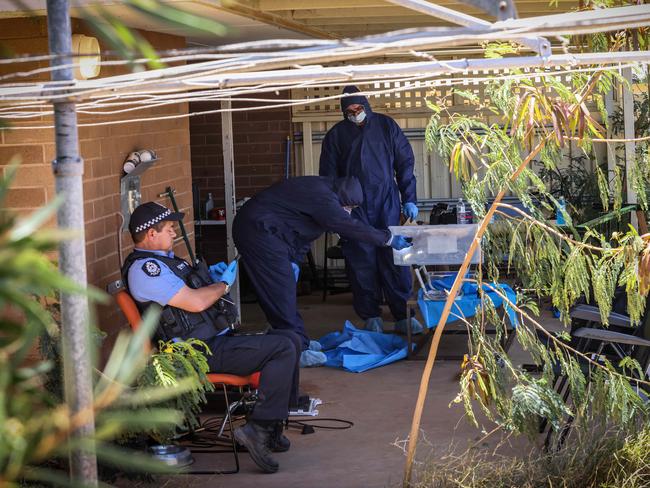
column 175, row 322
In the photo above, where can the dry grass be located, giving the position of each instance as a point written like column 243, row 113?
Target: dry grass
column 597, row 460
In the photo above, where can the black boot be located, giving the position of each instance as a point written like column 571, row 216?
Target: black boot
column 255, row 438
column 278, row 442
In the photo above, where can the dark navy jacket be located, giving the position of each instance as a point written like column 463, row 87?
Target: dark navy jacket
column 298, row 210
column 379, row 154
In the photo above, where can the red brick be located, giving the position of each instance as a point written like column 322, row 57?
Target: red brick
column 25, row 198
column 28, row 154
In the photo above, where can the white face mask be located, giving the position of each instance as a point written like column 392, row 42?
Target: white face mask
column 358, row 118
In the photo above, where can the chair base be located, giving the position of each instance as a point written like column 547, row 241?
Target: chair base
column 220, row 435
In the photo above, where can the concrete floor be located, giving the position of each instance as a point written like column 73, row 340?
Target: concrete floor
column 380, row 402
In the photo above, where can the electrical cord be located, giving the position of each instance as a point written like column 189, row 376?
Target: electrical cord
column 313, row 423
column 205, row 436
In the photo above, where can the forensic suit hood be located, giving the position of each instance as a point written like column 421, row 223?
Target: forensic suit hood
column 349, row 98
column 349, row 191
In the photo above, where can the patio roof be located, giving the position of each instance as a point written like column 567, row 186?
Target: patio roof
column 321, row 19
column 339, row 19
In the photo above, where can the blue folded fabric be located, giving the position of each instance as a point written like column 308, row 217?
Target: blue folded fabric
column 358, row 350
column 466, row 304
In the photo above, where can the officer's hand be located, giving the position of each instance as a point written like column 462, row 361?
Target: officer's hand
column 398, row 243
column 410, row 210
column 216, row 270
column 230, row 274
column 296, row 271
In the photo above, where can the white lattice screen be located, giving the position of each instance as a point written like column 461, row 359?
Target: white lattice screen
column 406, row 98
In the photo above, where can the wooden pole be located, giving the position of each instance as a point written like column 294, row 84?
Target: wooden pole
column 433, row 351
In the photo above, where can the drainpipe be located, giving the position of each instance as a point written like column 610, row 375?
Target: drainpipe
column 68, row 174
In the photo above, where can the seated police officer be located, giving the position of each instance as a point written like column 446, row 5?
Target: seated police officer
column 192, row 308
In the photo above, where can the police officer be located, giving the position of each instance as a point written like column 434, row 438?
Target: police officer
column 192, row 308
column 273, row 232
column 372, row 147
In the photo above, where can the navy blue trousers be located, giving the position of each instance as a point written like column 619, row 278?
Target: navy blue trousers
column 266, row 260
column 275, row 355
column 372, row 276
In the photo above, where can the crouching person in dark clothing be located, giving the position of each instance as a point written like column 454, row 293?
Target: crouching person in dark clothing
column 192, row 308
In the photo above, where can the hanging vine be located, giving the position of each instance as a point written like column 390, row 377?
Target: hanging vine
column 543, row 117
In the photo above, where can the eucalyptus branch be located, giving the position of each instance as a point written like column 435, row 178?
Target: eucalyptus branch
column 573, row 108
column 426, row 374
column 552, row 230
column 560, row 343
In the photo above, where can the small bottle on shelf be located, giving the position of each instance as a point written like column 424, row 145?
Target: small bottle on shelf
column 209, row 205
column 461, row 212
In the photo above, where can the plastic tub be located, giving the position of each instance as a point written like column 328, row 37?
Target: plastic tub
column 436, row 244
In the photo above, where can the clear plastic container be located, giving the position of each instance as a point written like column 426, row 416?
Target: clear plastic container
column 436, row 244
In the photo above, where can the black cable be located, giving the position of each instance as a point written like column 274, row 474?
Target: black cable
column 205, row 435
column 299, row 424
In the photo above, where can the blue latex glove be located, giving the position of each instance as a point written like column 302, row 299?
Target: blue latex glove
column 410, row 210
column 216, row 270
column 296, row 271
column 230, row 274
column 399, row 243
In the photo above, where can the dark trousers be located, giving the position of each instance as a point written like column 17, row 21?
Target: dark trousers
column 373, row 275
column 266, row 260
column 275, row 355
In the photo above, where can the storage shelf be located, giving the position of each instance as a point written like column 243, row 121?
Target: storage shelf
column 209, row 222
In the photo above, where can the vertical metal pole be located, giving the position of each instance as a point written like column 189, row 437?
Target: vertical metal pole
column 307, row 150
column 610, row 148
column 229, row 184
column 68, row 173
column 630, row 147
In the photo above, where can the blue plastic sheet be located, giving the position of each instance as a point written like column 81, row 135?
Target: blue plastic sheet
column 466, row 304
column 357, row 350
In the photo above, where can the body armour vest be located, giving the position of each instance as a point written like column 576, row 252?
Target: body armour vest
column 175, row 322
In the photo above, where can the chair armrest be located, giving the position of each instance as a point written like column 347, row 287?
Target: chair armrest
column 592, row 314
column 610, row 336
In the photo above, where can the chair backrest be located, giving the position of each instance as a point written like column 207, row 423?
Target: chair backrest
column 127, row 306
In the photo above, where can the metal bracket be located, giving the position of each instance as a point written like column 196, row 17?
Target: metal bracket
column 504, row 10
column 501, row 9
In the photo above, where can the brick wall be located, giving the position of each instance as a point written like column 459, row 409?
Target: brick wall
column 104, row 149
column 259, row 148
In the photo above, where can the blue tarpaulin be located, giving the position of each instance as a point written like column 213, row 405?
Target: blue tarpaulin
column 357, row 350
column 466, row 304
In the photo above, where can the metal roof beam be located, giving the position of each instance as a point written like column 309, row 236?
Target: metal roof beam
column 537, row 44
column 361, row 14
column 278, row 5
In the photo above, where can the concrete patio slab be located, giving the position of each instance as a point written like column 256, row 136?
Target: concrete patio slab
column 379, row 402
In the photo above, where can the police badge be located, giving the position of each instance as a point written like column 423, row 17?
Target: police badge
column 152, row 268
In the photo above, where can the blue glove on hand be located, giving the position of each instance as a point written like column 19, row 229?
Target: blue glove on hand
column 230, row 274
column 398, row 243
column 216, row 270
column 410, row 210
column 296, row 271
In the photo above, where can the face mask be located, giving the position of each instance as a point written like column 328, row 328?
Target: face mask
column 358, row 118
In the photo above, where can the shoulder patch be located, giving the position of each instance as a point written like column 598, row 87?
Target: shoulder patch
column 151, row 267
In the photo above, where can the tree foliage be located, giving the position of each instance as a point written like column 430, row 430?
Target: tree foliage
column 36, row 427
column 173, row 363
column 539, row 117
